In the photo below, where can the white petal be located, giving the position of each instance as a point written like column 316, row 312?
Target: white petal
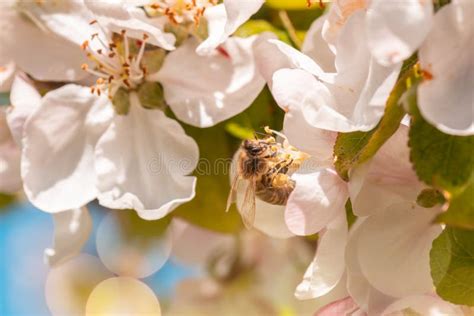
column 10, row 180
column 295, row 88
column 223, row 21
column 316, row 48
column 317, row 142
column 25, row 100
column 216, row 18
column 138, row 24
column 205, row 90
column 428, row 305
column 368, row 298
column 7, row 74
column 70, row 20
column 55, row 58
column 390, row 28
column 398, row 238
column 142, row 162
column 386, row 179
column 71, row 232
column 328, row 265
column 446, row 100
column 317, row 199
column 58, row 148
column 110, row 8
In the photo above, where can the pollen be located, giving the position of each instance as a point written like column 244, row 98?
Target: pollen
column 114, row 62
column 181, row 11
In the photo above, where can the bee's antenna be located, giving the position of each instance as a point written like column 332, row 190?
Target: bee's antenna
column 258, row 133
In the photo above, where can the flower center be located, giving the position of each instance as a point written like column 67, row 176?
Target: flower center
column 181, row 11
column 118, row 61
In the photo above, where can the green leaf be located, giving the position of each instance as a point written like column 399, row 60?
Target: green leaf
column 352, row 149
column 217, row 147
column 440, row 160
column 452, row 266
column 461, row 209
column 253, row 27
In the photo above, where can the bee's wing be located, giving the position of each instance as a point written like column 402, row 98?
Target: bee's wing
column 233, row 192
column 248, row 206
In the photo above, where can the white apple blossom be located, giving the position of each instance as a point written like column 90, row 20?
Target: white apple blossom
column 318, row 202
column 344, row 75
column 232, row 81
column 178, row 16
column 445, row 97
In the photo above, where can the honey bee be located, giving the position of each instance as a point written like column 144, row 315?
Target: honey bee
column 266, row 166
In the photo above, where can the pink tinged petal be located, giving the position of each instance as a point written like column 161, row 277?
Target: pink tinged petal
column 317, row 199
column 428, row 305
column 399, row 239
column 345, row 306
column 386, row 179
column 298, row 60
column 55, row 58
column 270, row 220
column 25, row 100
column 390, row 28
column 316, row 48
column 445, row 97
column 269, row 58
column 142, row 162
column 225, row 19
column 327, row 268
column 337, row 17
column 369, row 299
column 71, row 231
column 361, row 86
column 317, row 142
column 58, row 148
column 298, row 89
column 205, row 90
column 10, row 180
column 7, row 74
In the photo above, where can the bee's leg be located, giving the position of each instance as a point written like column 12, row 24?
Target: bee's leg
column 279, row 166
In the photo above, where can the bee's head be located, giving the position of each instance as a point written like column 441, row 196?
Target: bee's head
column 254, row 147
